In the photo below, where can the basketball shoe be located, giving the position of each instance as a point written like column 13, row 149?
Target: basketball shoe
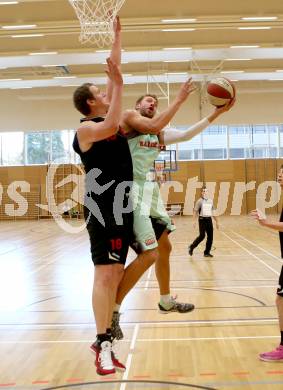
column 174, row 306
column 115, row 360
column 116, row 330
column 273, row 356
column 103, row 358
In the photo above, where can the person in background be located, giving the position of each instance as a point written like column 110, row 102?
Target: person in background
column 204, row 211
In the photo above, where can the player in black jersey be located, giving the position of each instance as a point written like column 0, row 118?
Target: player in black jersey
column 276, row 354
column 105, row 154
column 98, row 144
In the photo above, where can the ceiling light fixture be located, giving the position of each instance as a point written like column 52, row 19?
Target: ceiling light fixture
column 178, row 29
column 255, row 28
column 64, row 77
column 232, row 71
column 19, row 26
column 191, row 20
column 50, row 66
column 8, row 2
column 176, row 73
column 10, row 80
column 27, row 35
column 260, row 18
column 43, row 53
column 177, row 48
column 175, row 61
column 244, row 46
column 21, row 88
column 238, row 59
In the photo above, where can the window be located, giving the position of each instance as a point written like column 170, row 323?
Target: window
column 190, row 150
column 239, row 141
column 215, row 142
column 12, row 148
column 214, row 154
column 237, row 153
column 61, row 149
column 38, row 146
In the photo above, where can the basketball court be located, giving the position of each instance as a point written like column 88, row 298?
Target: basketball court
column 47, row 322
column 46, row 273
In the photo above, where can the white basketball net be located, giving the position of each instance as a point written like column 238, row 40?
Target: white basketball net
column 96, row 19
column 204, row 79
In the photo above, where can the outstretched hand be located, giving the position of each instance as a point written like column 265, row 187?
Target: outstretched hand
column 117, row 25
column 259, row 216
column 227, row 107
column 186, row 89
column 220, row 110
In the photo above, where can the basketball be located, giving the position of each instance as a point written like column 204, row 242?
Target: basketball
column 220, row 91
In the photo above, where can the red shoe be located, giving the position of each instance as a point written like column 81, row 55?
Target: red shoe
column 116, row 363
column 103, row 358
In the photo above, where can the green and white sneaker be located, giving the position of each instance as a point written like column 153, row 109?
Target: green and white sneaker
column 116, row 330
column 174, row 306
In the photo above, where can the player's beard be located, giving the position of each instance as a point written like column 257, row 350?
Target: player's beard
column 147, row 113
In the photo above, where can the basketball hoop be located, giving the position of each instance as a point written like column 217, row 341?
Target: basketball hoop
column 205, row 74
column 159, row 166
column 96, row 19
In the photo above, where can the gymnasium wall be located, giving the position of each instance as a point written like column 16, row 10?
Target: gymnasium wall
column 236, row 186
column 226, row 181
column 52, row 108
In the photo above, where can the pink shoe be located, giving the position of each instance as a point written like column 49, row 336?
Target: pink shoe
column 273, row 356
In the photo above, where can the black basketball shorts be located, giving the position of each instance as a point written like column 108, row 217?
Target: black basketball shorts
column 109, row 244
column 280, row 288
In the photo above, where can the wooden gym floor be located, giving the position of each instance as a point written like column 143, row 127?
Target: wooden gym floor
column 47, row 323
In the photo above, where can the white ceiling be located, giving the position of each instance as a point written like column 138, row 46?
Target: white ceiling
column 205, row 50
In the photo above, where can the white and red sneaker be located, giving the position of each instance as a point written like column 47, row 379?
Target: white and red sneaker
column 117, row 364
column 115, row 360
column 103, row 358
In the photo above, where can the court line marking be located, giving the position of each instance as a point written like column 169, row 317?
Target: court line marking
column 251, row 254
column 134, row 340
column 201, row 255
column 175, row 288
column 154, row 309
column 262, row 249
column 146, row 323
column 241, row 384
column 130, row 356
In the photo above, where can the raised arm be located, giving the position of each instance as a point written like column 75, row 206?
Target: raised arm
column 89, row 131
column 173, row 136
column 115, row 54
column 142, row 124
column 261, row 218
